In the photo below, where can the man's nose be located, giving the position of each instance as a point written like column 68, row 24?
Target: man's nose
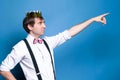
column 44, row 25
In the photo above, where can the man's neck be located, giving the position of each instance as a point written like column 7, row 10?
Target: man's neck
column 35, row 36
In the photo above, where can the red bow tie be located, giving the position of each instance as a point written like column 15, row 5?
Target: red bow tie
column 37, row 41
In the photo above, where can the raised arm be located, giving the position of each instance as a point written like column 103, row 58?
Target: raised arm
column 78, row 28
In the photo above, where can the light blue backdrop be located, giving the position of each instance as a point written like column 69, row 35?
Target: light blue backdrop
column 94, row 54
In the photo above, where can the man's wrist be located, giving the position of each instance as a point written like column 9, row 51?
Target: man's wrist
column 92, row 19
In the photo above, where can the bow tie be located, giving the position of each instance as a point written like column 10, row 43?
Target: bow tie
column 37, row 41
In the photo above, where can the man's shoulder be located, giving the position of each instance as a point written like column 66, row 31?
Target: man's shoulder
column 20, row 44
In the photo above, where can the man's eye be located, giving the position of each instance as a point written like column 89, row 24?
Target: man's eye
column 40, row 22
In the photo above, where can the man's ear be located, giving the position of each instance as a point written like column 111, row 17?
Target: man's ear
column 30, row 27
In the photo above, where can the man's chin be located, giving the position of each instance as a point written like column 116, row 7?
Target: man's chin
column 41, row 34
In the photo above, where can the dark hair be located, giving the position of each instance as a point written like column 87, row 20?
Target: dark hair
column 30, row 19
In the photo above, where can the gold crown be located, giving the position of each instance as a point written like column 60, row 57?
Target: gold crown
column 34, row 14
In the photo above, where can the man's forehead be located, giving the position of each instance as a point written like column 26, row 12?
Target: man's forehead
column 39, row 20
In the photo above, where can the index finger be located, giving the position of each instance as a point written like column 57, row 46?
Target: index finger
column 105, row 14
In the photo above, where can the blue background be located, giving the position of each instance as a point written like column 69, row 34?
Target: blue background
column 94, row 54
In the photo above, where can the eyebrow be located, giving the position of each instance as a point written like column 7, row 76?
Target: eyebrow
column 41, row 22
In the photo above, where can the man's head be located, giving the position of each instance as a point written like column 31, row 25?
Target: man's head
column 34, row 21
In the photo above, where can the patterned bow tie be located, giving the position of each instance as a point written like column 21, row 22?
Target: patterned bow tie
column 37, row 41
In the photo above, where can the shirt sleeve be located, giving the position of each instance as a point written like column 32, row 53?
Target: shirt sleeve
column 12, row 59
column 58, row 39
column 9, row 62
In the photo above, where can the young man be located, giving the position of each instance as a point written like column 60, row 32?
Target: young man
column 34, row 25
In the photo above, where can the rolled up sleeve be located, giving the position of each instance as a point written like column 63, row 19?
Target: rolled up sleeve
column 9, row 62
column 58, row 39
column 13, row 58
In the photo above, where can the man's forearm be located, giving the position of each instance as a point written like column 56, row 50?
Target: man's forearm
column 7, row 75
column 78, row 28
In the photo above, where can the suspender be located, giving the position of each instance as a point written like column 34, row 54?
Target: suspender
column 34, row 61
column 50, row 57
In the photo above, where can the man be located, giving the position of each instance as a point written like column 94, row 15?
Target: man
column 34, row 25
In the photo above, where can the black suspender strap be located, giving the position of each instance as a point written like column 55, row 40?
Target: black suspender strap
column 50, row 57
column 33, row 59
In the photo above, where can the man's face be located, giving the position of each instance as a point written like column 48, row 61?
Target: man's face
column 38, row 28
